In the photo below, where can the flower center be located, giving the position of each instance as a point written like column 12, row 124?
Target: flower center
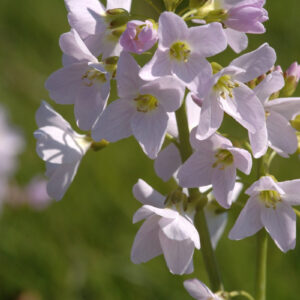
column 225, row 86
column 91, row 76
column 270, row 198
column 224, row 158
column 146, row 103
column 180, row 51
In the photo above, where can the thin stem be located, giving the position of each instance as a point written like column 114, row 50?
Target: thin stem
column 200, row 221
column 153, row 6
column 261, row 265
column 193, row 11
column 240, row 293
column 297, row 212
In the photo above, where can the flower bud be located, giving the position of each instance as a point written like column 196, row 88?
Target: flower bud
column 296, row 123
column 110, row 64
column 139, row 36
column 116, row 17
column 292, row 76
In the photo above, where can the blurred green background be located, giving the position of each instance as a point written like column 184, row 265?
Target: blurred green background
column 79, row 248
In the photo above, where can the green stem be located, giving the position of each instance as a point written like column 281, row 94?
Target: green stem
column 297, row 212
column 240, row 293
column 200, row 221
column 261, row 265
column 189, row 13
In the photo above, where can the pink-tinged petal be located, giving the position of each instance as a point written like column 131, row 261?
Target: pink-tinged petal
column 72, row 45
column 180, row 229
column 125, row 4
column 211, row 117
column 292, row 191
column 60, row 179
column 47, row 116
column 281, row 225
column 196, row 171
column 65, row 84
column 143, row 192
column 187, row 71
column 128, row 82
column 150, row 129
column 249, row 221
column 216, row 223
column 255, row 63
column 90, row 104
column 245, row 108
column 158, row 66
column 178, row 254
column 223, row 181
column 287, row 107
column 259, row 142
column 172, row 125
column 86, row 16
column 146, row 243
column 282, row 136
column 238, row 41
column 273, row 83
column 198, row 289
column 167, row 162
column 148, row 210
column 242, row 159
column 265, row 183
column 171, row 28
column 57, row 146
column 207, row 40
column 114, row 123
column 193, row 111
column 168, row 90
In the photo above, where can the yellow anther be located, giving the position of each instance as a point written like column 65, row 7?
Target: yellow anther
column 180, row 51
column 91, row 76
column 270, row 198
column 225, row 86
column 146, row 103
column 224, row 158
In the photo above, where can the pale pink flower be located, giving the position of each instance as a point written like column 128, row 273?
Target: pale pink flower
column 269, row 206
column 199, row 291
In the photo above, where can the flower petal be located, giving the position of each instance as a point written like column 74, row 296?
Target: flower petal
column 238, row 41
column 291, row 189
column 125, row 4
column 265, row 183
column 259, row 142
column 198, row 289
column 242, row 159
column 287, row 107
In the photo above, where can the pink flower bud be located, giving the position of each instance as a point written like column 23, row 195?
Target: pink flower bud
column 139, row 36
column 294, row 71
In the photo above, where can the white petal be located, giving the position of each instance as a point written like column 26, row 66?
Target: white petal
column 114, row 123
column 143, row 192
column 238, row 41
column 255, row 63
column 149, row 129
column 273, row 83
column 265, row 183
column 178, row 254
column 292, row 191
column 207, row 40
column 287, row 107
column 172, row 125
column 211, row 117
column 198, row 289
column 125, row 4
column 259, row 142
column 248, row 222
column 223, row 181
column 193, row 111
column 61, row 178
column 281, row 225
column 146, row 244
column 242, row 159
column 282, row 136
column 167, row 162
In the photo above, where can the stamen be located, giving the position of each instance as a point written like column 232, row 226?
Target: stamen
column 146, row 103
column 180, row 51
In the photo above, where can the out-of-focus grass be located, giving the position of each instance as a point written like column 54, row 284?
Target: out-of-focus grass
column 80, row 247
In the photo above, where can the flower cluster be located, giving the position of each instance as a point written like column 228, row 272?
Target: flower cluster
column 181, row 76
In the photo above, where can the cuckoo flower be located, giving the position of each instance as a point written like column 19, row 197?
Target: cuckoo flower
column 60, row 147
column 167, row 230
column 142, row 109
column 278, row 133
column 269, row 206
column 99, row 29
column 227, row 92
column 199, row 291
column 139, row 36
column 214, row 162
column 182, row 50
column 82, row 81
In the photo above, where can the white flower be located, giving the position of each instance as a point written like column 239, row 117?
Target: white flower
column 60, row 147
column 199, row 291
column 165, row 231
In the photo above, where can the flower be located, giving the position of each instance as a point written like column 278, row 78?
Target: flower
column 269, row 206
column 214, row 162
column 182, row 50
column 292, row 76
column 167, row 230
column 227, row 92
column 198, row 290
column 277, row 132
column 82, row 81
column 138, row 36
column 100, row 29
column 60, row 147
column 142, row 109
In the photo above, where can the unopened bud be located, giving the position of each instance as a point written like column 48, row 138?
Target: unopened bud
column 217, row 15
column 296, row 123
column 97, row 146
column 116, row 12
column 292, row 76
column 118, row 31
